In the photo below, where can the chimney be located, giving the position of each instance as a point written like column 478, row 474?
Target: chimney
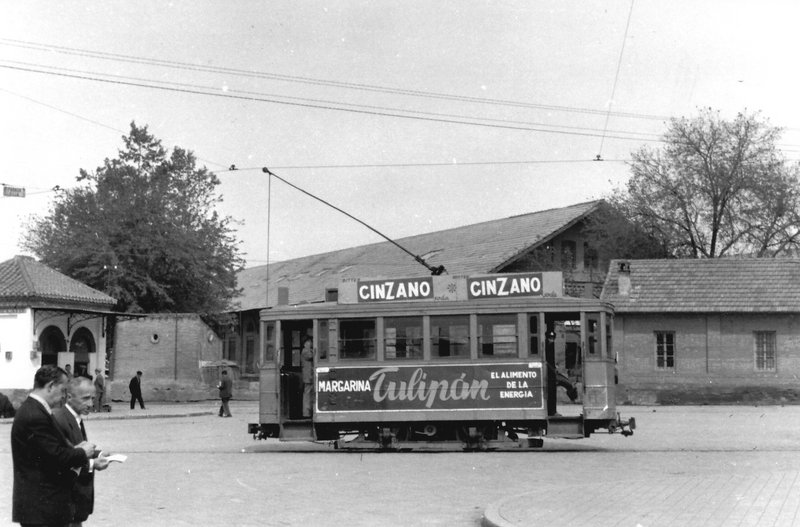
column 624, row 278
column 283, row 296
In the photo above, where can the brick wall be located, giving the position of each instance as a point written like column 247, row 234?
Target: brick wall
column 168, row 349
column 714, row 359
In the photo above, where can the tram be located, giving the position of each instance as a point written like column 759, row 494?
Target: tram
column 435, row 360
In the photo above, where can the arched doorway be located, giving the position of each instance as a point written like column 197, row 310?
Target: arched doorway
column 51, row 342
column 82, row 345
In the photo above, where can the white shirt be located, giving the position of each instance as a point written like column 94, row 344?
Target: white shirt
column 78, row 420
column 42, row 401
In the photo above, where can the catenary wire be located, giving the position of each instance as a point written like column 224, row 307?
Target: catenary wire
column 314, row 81
column 329, row 105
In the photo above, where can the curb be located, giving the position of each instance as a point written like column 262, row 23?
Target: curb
column 151, row 416
column 10, row 420
column 492, row 516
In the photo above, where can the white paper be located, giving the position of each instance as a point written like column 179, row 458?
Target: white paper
column 117, row 457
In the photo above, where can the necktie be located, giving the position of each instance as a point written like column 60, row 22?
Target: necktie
column 83, row 430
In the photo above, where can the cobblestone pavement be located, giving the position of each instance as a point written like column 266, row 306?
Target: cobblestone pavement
column 684, row 466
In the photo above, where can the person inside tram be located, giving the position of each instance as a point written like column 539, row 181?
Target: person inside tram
column 555, row 378
column 307, row 362
column 552, row 375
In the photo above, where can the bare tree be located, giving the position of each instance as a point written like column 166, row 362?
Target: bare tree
column 716, row 188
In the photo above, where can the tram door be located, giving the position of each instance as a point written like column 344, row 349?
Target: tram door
column 599, row 367
column 269, row 389
column 292, row 335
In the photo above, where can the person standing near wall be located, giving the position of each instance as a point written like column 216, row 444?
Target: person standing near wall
column 225, row 393
column 135, row 387
column 99, row 390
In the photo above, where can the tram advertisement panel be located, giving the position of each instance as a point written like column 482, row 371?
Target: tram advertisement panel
column 473, row 386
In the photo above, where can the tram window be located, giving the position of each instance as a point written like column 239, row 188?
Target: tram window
column 269, row 354
column 357, row 338
column 592, row 336
column 497, row 335
column 323, row 339
column 402, row 337
column 450, row 336
column 533, row 330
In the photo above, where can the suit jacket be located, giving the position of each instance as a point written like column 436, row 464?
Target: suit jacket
column 225, row 388
column 42, row 467
column 135, row 386
column 83, row 488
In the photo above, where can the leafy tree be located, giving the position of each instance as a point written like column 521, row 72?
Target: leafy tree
column 614, row 232
column 716, row 188
column 143, row 228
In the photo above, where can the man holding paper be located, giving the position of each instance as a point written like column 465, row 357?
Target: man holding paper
column 80, row 394
column 45, row 463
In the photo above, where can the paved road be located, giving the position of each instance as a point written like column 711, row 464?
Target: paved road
column 204, row 470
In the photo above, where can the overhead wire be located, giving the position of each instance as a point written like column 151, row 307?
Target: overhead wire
column 326, row 105
column 314, row 81
column 616, row 79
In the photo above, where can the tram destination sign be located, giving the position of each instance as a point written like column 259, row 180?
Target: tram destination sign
column 430, row 387
column 397, row 289
column 446, row 288
column 499, row 286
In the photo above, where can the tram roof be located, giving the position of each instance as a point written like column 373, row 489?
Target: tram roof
column 333, row 309
column 714, row 285
column 485, row 247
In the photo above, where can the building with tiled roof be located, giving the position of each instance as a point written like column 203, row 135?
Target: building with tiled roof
column 539, row 241
column 711, row 330
column 48, row 318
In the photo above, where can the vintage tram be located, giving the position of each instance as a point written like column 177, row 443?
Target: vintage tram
column 414, row 362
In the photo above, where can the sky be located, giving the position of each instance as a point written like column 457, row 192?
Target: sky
column 413, row 116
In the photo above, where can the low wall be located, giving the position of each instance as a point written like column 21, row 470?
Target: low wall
column 707, row 395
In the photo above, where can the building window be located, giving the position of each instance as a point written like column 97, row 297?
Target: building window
column 250, row 355
column 568, row 254
column 665, row 350
column 229, row 353
column 402, row 337
column 589, row 257
column 497, row 335
column 357, row 339
column 450, row 336
column 765, row 350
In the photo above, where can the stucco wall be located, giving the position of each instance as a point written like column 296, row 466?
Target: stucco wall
column 714, row 359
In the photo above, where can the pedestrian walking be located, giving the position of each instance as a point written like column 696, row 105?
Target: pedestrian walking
column 135, row 387
column 99, row 390
column 69, row 419
column 45, row 462
column 225, row 394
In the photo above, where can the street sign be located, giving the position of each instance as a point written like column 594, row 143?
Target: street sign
column 13, row 192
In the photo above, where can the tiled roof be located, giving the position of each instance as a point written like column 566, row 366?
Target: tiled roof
column 24, row 281
column 717, row 285
column 480, row 248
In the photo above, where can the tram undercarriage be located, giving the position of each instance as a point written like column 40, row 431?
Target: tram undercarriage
column 469, row 435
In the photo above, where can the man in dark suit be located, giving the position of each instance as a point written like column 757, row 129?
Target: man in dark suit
column 80, row 392
column 225, row 393
column 45, row 463
column 135, row 387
